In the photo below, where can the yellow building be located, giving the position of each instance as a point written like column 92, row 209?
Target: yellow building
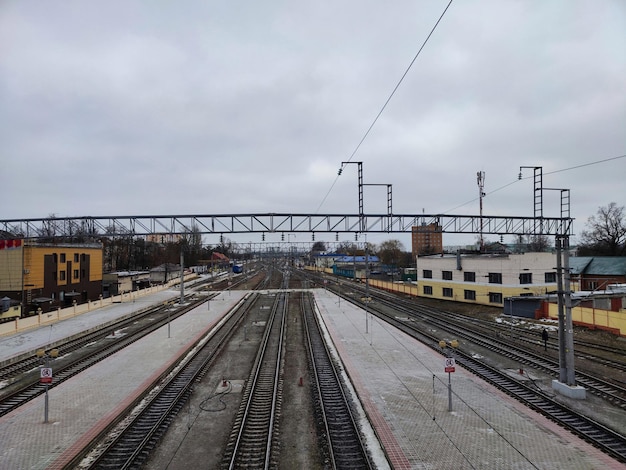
column 486, row 279
column 47, row 275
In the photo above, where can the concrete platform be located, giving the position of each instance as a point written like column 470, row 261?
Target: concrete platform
column 403, row 388
column 80, row 407
column 401, row 383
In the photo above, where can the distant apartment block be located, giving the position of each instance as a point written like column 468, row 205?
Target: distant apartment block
column 163, row 238
column 426, row 239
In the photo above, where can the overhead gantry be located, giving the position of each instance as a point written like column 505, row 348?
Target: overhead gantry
column 222, row 224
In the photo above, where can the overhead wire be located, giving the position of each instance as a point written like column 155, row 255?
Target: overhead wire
column 386, row 102
column 544, row 174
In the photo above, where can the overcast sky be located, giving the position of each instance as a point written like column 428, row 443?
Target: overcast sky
column 205, row 107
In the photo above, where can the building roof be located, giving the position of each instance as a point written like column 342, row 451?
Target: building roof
column 357, row 259
column 598, row 265
column 216, row 255
column 166, row 267
column 328, row 255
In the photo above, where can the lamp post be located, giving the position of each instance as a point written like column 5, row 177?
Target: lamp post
column 45, row 376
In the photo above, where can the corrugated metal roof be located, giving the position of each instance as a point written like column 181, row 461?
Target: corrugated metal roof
column 598, row 265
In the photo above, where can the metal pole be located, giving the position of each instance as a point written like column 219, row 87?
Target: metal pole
column 569, row 329
column 367, row 283
column 182, row 276
column 559, row 282
column 45, row 414
column 449, row 392
column 511, row 312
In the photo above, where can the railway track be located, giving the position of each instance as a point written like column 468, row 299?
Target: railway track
column 479, row 333
column 87, row 350
column 346, row 448
column 130, row 438
column 514, row 351
column 254, row 440
column 608, row 440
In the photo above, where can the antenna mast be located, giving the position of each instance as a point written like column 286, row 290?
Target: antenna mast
column 480, row 178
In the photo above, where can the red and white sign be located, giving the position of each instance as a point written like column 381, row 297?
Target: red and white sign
column 46, row 375
column 449, row 365
column 10, row 244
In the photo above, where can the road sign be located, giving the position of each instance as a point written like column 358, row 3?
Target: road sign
column 46, row 375
column 449, row 365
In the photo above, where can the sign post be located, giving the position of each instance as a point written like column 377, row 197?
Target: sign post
column 449, row 368
column 46, row 378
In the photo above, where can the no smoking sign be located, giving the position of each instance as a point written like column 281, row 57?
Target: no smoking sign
column 449, row 364
column 46, row 375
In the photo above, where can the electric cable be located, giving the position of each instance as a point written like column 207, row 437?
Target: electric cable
column 529, row 177
column 386, row 102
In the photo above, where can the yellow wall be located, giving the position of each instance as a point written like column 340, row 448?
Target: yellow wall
column 482, row 291
column 34, row 264
column 10, row 269
column 595, row 318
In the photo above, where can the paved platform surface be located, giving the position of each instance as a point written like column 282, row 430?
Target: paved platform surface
column 404, row 389
column 401, row 384
column 32, row 339
column 81, row 406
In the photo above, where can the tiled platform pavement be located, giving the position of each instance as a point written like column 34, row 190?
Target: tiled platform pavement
column 81, row 406
column 404, row 381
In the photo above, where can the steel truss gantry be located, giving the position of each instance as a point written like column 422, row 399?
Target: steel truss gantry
column 137, row 225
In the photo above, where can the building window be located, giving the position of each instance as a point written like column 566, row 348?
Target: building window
column 62, row 257
column 447, row 292
column 469, row 294
column 83, row 274
column 526, row 278
column 469, row 276
column 446, row 275
column 495, row 297
column 55, row 258
column 76, row 274
column 75, row 257
column 428, row 290
column 495, row 278
column 62, row 275
column 83, row 257
column 550, row 277
column 428, row 274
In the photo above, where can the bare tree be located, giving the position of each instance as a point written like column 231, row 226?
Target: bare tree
column 391, row 252
column 606, row 232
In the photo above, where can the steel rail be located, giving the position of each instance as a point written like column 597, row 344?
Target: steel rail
column 252, row 443
column 346, row 448
column 609, row 441
column 129, row 446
